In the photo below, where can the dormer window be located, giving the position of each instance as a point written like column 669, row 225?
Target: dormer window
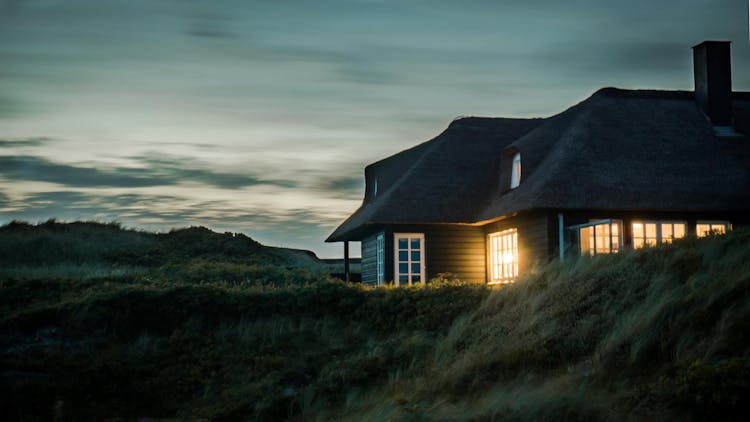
column 515, row 171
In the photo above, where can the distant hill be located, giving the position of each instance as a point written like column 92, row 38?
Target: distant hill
column 81, row 248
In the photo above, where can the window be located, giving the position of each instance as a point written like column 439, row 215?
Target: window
column 708, row 228
column 652, row 233
column 599, row 237
column 503, row 256
column 409, row 258
column 380, row 258
column 672, row 231
column 515, row 171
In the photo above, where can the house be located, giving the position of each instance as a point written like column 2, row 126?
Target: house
column 490, row 198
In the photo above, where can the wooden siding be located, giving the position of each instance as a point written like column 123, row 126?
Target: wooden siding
column 369, row 259
column 459, row 250
column 533, row 238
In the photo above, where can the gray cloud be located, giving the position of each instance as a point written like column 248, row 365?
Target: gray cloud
column 209, row 25
column 175, row 169
column 342, row 187
column 39, row 169
column 159, row 171
column 27, row 142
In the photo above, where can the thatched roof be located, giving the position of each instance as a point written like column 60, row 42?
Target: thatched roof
column 618, row 149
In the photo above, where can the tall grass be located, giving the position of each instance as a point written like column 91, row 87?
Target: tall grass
column 613, row 337
column 657, row 334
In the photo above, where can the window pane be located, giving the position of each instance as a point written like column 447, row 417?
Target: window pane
column 602, row 238
column 415, row 244
column 503, row 255
column 679, row 230
column 638, row 243
column 415, row 255
column 403, row 278
column 615, row 242
column 403, row 255
column 417, row 278
column 403, row 268
column 415, row 268
column 638, row 230
column 666, row 233
column 403, row 243
column 706, row 229
column 515, row 172
column 586, row 240
column 650, row 234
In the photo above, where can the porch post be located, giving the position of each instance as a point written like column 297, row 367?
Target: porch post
column 346, row 260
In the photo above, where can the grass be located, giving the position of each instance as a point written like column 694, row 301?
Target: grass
column 651, row 334
column 94, row 250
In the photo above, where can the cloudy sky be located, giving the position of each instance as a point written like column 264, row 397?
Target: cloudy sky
column 259, row 116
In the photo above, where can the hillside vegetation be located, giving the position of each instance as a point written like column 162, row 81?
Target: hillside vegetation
column 90, row 250
column 658, row 334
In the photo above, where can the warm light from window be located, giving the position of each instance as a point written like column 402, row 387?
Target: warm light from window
column 652, row 233
column 598, row 238
column 672, row 231
column 708, row 228
column 503, row 256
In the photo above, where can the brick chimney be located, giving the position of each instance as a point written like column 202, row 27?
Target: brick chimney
column 712, row 69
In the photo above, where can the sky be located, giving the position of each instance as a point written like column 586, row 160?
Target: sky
column 259, row 116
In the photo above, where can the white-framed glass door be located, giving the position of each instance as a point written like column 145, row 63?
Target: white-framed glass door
column 408, row 260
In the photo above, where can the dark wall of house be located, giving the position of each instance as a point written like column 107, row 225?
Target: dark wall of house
column 533, row 238
column 369, row 259
column 459, row 250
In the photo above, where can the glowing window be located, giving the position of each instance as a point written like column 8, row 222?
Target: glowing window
column 708, row 228
column 409, row 258
column 652, row 233
column 503, row 256
column 672, row 231
column 515, row 171
column 599, row 237
column 380, row 255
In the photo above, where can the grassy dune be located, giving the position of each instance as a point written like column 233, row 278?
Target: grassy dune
column 659, row 334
